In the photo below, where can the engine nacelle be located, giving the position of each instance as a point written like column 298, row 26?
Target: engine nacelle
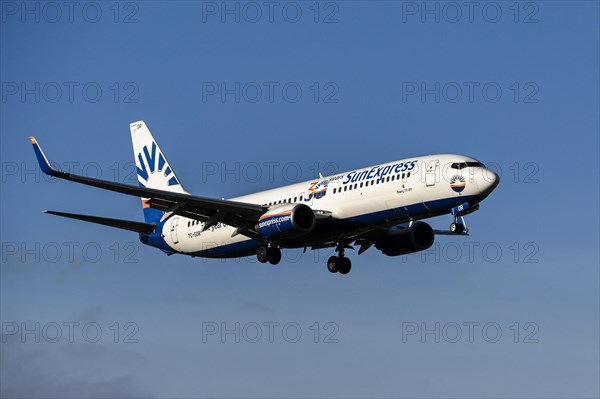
column 287, row 220
column 416, row 238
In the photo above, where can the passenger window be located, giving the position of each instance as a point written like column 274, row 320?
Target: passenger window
column 301, row 198
column 361, row 185
column 355, row 185
column 350, row 188
column 408, row 175
column 345, row 188
column 388, row 179
column 393, row 177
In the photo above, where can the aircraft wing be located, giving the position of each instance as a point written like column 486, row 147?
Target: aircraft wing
column 243, row 216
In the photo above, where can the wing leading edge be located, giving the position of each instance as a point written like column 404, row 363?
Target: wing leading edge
column 243, row 216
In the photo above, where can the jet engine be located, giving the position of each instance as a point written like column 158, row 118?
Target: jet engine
column 286, row 220
column 416, row 238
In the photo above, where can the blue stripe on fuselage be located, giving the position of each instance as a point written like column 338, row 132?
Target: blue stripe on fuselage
column 415, row 211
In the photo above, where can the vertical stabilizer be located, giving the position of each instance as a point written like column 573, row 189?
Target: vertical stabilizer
column 153, row 168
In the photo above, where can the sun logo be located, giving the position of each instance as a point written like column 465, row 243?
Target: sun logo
column 458, row 183
column 156, row 163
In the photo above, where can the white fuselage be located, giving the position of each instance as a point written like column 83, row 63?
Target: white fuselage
column 414, row 188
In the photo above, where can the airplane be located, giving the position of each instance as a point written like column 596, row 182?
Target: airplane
column 382, row 206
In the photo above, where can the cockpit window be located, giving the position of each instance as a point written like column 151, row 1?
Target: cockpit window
column 462, row 165
column 474, row 164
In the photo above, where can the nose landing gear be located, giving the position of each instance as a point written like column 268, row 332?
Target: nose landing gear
column 460, row 225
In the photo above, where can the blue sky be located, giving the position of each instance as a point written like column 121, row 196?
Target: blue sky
column 343, row 96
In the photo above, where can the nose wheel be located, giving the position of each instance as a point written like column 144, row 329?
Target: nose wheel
column 457, row 228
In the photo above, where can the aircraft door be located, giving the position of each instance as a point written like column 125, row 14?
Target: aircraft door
column 432, row 172
column 174, row 223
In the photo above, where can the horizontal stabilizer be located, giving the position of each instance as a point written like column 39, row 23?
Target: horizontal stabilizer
column 139, row 227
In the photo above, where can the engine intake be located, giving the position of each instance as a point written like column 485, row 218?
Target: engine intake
column 417, row 238
column 288, row 220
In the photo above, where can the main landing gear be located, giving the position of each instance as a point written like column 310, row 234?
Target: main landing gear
column 271, row 255
column 339, row 264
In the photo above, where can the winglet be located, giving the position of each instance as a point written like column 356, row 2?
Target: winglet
column 42, row 160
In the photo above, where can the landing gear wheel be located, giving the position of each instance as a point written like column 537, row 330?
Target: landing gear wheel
column 263, row 254
column 344, row 265
column 275, row 256
column 456, row 228
column 332, row 264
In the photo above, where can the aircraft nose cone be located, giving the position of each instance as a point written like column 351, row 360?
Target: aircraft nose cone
column 489, row 182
